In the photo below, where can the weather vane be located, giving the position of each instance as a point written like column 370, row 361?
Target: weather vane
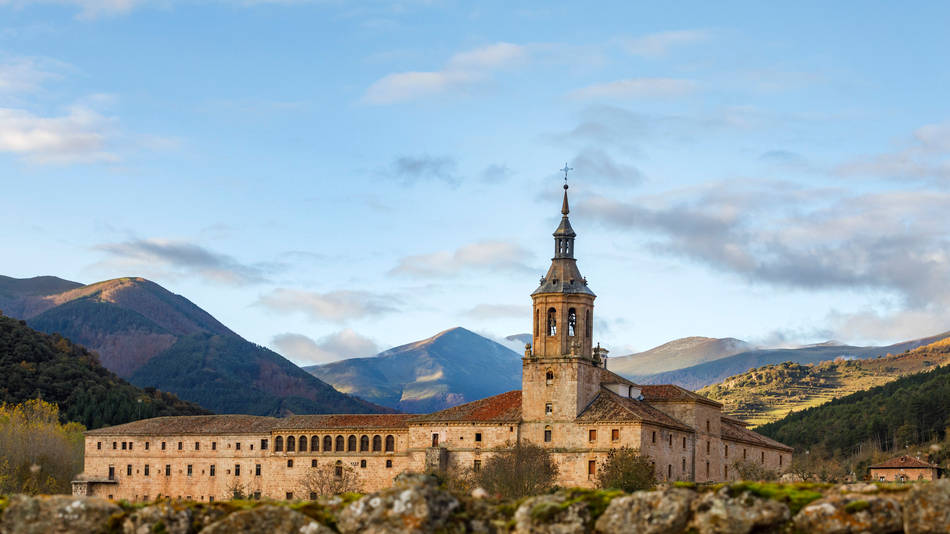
column 565, row 170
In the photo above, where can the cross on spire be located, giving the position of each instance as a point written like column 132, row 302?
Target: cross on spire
column 565, row 170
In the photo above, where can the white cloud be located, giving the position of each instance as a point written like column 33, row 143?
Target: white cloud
column 88, row 8
column 925, row 157
column 484, row 255
column 180, row 258
column 338, row 306
column 336, row 346
column 637, row 88
column 461, row 72
column 496, row 311
column 78, row 136
column 23, row 74
column 659, row 44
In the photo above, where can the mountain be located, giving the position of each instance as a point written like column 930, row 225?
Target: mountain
column 908, row 411
column 704, row 374
column 676, row 354
column 765, row 394
column 449, row 368
column 37, row 365
column 155, row 338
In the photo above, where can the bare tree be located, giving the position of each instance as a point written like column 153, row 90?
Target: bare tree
column 749, row 470
column 329, row 479
column 524, row 469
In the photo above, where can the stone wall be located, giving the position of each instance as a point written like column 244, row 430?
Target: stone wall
column 908, row 474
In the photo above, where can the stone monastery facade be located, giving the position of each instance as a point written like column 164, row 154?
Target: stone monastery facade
column 569, row 403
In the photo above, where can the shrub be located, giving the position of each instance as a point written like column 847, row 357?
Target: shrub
column 524, row 469
column 628, row 470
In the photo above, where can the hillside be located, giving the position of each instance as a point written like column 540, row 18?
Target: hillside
column 153, row 337
column 450, row 368
column 704, row 374
column 768, row 393
column 50, row 367
column 910, row 410
column 679, row 353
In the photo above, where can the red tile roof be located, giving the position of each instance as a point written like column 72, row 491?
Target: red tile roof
column 905, row 462
column 306, row 422
column 500, row 408
column 736, row 431
column 610, row 407
column 191, row 424
column 673, row 393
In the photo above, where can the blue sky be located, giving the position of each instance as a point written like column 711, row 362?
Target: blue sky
column 334, row 178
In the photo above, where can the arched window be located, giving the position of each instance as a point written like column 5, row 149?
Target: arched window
column 549, row 377
column 327, row 444
column 571, row 321
column 377, row 443
column 278, row 444
column 338, row 469
column 364, row 443
column 291, row 442
column 587, row 327
column 314, row 443
column 339, row 444
column 552, row 322
column 547, row 434
column 390, row 443
column 351, row 443
column 537, row 322
column 302, row 443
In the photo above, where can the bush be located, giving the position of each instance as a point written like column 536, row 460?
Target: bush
column 525, row 469
column 628, row 470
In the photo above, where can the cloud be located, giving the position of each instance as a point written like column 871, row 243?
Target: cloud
column 77, row 137
column 494, row 174
column 484, row 255
column 181, row 257
column 462, row 72
column 496, row 311
column 637, row 88
column 657, row 45
column 594, row 164
column 337, row 306
column 24, row 74
column 413, row 169
column 925, row 158
column 89, row 9
column 336, row 346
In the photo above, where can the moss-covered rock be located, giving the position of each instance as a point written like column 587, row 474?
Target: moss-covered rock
column 648, row 512
column 927, row 508
column 57, row 514
column 267, row 518
column 851, row 514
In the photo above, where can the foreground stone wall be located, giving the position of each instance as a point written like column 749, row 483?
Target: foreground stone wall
column 417, row 504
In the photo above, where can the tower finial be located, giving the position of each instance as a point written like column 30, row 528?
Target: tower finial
column 564, row 207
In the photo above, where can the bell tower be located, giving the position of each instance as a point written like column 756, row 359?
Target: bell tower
column 561, row 373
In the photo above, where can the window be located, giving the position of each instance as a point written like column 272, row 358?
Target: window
column 671, row 440
column 211, row 470
column 654, row 436
column 377, row 443
column 291, row 444
column 290, row 463
column 210, row 498
column 180, row 444
column 587, row 325
column 264, row 444
column 111, row 473
column 763, row 457
column 549, row 378
column 327, row 444
column 725, row 471
column 708, row 446
column 390, row 443
column 548, row 409
column 351, row 443
column 477, row 465
column 362, row 464
column 114, row 445
column 130, row 445
column 707, row 425
column 478, row 437
column 197, row 446
column 290, row 495
column 552, row 322
column 591, row 468
column 163, row 445
column 615, row 434
column 128, row 470
column 237, row 469
column 707, row 468
column 684, row 442
column 669, row 471
column 364, row 443
column 339, row 443
column 189, row 469
column 237, row 446
column 146, row 445
column 684, row 465
column 314, row 443
column 168, row 470
column 743, row 454
column 389, row 464
column 338, row 469
column 146, row 470
column 214, row 445
column 537, row 322
column 302, row 443
column 99, row 445
column 592, row 435
column 435, row 440
column 313, row 495
column 124, row 444
column 313, row 463
column 547, row 434
column 571, row 321
column 278, row 444
column 727, row 451
column 257, row 470
column 780, row 460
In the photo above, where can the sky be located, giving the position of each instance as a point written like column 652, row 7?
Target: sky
column 334, row 178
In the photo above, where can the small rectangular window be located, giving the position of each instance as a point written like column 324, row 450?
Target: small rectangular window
column 708, row 446
column 128, row 470
column 99, row 445
column 313, row 463
column 111, row 473
column 189, row 469
column 290, row 495
column 615, row 434
column 146, row 445
column 548, row 409
column 684, row 442
column 197, row 446
column 389, row 464
column 290, row 463
column 146, row 470
column 654, row 436
column 257, row 470
column 211, row 470
column 237, row 470
column 210, row 498
column 592, row 435
column 130, row 445
column 124, row 445
column 362, row 464
column 114, row 445
column 214, row 445
column 591, row 468
column 671, row 440
column 168, row 470
column 727, row 451
column 237, row 446
column 180, row 445
column 763, row 457
column 163, row 445
column 313, row 495
column 478, row 437
column 263, row 444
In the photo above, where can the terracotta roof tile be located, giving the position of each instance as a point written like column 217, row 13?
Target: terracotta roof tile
column 191, row 424
column 903, row 462
column 736, row 431
column 610, row 407
column 304, row 422
column 673, row 393
column 499, row 408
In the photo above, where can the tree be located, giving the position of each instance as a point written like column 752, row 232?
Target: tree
column 329, row 479
column 38, row 454
column 749, row 470
column 628, row 470
column 522, row 470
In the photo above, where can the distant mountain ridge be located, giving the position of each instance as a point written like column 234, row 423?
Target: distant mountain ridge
column 677, row 354
column 153, row 337
column 697, row 376
column 450, row 368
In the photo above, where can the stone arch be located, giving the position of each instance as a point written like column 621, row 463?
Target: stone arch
column 552, row 322
column 278, row 444
column 571, row 322
column 377, row 443
column 364, row 443
column 327, row 444
column 340, row 445
column 291, row 444
column 314, row 443
column 390, row 443
column 351, row 443
column 302, row 443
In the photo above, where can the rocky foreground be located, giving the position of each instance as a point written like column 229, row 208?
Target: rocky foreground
column 417, row 504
